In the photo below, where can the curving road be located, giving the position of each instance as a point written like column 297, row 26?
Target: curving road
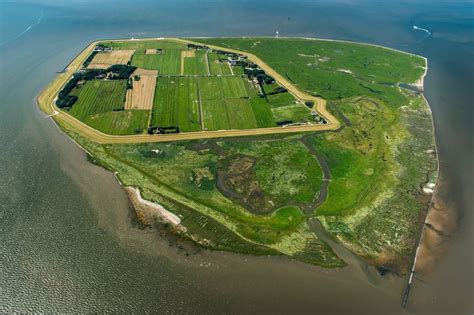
column 46, row 102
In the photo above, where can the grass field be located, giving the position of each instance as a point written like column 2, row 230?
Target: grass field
column 216, row 66
column 334, row 69
column 166, row 62
column 224, row 101
column 196, row 64
column 100, row 104
column 143, row 45
column 176, row 103
column 123, row 122
column 262, row 112
column 98, row 97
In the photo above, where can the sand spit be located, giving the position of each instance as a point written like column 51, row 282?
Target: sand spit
column 148, row 211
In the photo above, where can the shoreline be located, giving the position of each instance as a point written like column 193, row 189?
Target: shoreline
column 148, row 211
column 419, row 243
column 152, row 208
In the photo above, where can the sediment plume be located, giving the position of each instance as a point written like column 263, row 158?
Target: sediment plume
column 440, row 224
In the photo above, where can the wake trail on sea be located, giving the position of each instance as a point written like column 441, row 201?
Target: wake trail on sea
column 26, row 30
column 422, row 29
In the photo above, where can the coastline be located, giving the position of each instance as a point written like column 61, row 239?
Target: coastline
column 148, row 211
column 434, row 189
column 157, row 210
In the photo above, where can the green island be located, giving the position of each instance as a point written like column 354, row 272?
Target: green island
column 239, row 144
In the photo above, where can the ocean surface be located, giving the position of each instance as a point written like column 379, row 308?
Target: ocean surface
column 67, row 241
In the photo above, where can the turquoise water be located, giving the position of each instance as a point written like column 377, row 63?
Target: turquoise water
column 67, row 242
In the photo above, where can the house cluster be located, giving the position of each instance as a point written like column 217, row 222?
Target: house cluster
column 102, row 48
column 198, row 47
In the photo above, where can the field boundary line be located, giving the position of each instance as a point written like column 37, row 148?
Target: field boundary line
column 206, row 60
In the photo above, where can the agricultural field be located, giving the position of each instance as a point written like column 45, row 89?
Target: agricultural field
column 194, row 62
column 98, row 96
column 191, row 89
column 166, row 62
column 100, row 104
column 142, row 91
column 104, row 60
column 176, row 103
column 123, row 122
column 218, row 67
column 223, row 102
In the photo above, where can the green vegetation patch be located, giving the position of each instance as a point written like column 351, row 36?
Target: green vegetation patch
column 98, row 96
column 335, row 70
column 166, row 62
column 286, row 172
column 176, row 103
column 254, row 195
column 100, row 104
column 384, row 154
column 123, row 122
column 218, row 64
column 292, row 113
column 196, row 65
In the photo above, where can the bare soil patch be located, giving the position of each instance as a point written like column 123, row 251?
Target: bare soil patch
column 140, row 96
column 151, row 52
column 187, row 53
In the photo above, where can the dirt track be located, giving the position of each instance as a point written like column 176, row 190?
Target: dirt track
column 47, row 97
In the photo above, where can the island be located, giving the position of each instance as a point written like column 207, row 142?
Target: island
column 262, row 146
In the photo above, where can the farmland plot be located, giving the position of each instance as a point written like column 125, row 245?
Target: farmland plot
column 292, row 113
column 233, row 87
column 106, row 59
column 143, row 45
column 215, row 115
column 140, row 96
column 176, row 103
column 240, row 113
column 124, row 122
column 210, row 88
column 262, row 112
column 218, row 67
column 166, row 62
column 98, row 97
column 194, row 63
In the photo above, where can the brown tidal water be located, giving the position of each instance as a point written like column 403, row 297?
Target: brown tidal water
column 67, row 241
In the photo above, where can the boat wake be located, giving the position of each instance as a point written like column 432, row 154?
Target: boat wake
column 422, row 29
column 26, row 30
